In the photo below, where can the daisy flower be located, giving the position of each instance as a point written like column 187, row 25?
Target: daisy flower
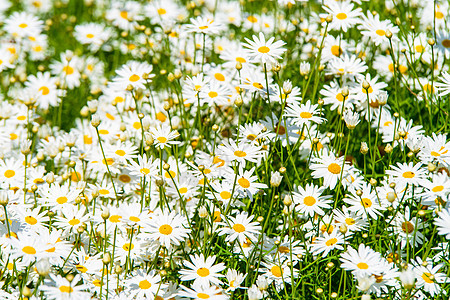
column 366, row 204
column 442, row 223
column 29, row 247
column 132, row 74
column 277, row 273
column 350, row 219
column 310, row 201
column 304, row 113
column 168, row 228
column 240, row 227
column 203, row 25
column 428, row 277
column 92, row 34
column 234, row 279
column 375, row 29
column 164, row 136
column 145, row 167
column 407, row 173
column 58, row 287
column 344, row 16
column 327, row 242
column 203, row 271
column 203, row 292
column 246, row 182
column 264, row 51
column 143, row 285
column 329, row 167
column 241, row 152
column 22, row 24
column 407, row 229
column 44, row 87
column 362, row 262
column 435, row 147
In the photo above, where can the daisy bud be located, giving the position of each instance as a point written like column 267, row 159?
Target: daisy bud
column 159, row 182
column 388, row 148
column 285, row 210
column 431, row 167
column 391, row 197
column 238, row 66
column 351, row 119
column 260, row 219
column 26, row 291
column 178, row 74
column 334, row 295
column 392, row 185
column 166, row 166
column 421, row 213
column 320, row 102
column 329, row 18
column 407, row 278
column 319, row 291
column 262, row 283
column 50, row 178
column 92, row 106
column 106, row 258
column 365, row 85
column 330, row 264
column 364, row 148
column 171, row 77
column 215, row 127
column 129, row 87
column 34, row 188
column 431, row 42
column 118, row 269
column 105, row 213
column 146, row 122
column 388, row 34
column 365, row 297
column 345, row 92
column 3, row 198
column 282, row 170
column 25, row 147
column 276, row 68
column 40, row 156
column 359, row 193
column 382, row 98
column 364, row 283
column 287, row 87
column 149, row 140
column 343, row 229
column 287, row 200
column 396, row 115
column 373, row 182
column 238, row 102
column 305, row 68
column 69, row 277
column 95, row 121
column 275, row 179
column 254, row 293
column 202, row 212
column 80, row 230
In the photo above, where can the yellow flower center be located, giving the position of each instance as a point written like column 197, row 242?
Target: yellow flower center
column 89, row 35
column 263, row 49
column 29, row 250
column 134, row 78
column 162, row 139
column 407, row 227
column 241, row 60
column 219, row 77
column 350, row 221
column 68, row 70
column 144, row 284
column 240, row 153
column 380, row 32
column 341, row 16
column 203, row 272
column 134, row 219
column 305, row 115
column 213, row 94
column 62, row 200
column 366, row 202
column 276, row 271
column 331, row 242
column 115, row 218
column 165, row 229
column 9, row 173
column 238, row 228
column 65, row 289
column 408, row 174
column 161, row 11
column 23, row 25
column 45, row 90
column 30, row 220
column 243, row 182
column 426, row 277
column 120, row 152
column 362, row 265
column 438, row 188
column 334, row 168
column 74, row 222
column 203, row 296
column 309, row 201
column 225, row 195
column 336, row 50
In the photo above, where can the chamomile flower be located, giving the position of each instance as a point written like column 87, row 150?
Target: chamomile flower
column 58, row 287
column 304, row 114
column 203, row 25
column 407, row 173
column 264, row 51
column 164, row 136
column 241, row 152
column 344, row 16
column 310, row 201
column 327, row 242
column 132, row 74
column 362, row 262
column 203, row 271
column 442, row 223
column 366, row 203
column 329, row 167
column 246, row 183
column 240, row 228
column 169, row 229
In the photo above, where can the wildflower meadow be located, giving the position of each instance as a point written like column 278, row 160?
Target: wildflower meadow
column 223, row 149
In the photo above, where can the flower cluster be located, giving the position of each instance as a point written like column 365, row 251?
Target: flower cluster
column 224, row 150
